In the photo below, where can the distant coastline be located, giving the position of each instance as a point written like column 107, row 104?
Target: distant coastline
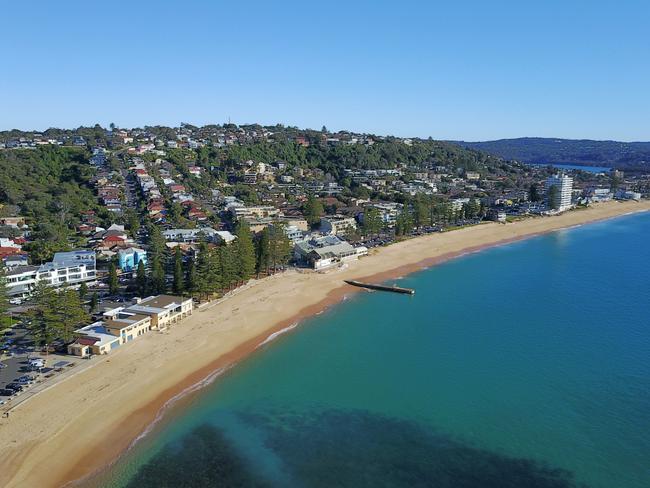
column 83, row 424
column 571, row 166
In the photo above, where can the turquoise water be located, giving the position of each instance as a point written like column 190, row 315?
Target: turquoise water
column 526, row 365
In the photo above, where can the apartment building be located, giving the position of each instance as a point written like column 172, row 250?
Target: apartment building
column 66, row 269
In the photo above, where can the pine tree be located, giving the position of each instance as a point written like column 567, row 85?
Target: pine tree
column 245, row 251
column 83, row 291
column 190, row 277
column 179, row 283
column 113, row 282
column 4, row 300
column 70, row 313
column 141, row 279
column 228, row 260
column 371, row 221
column 313, row 210
column 157, row 243
column 263, row 252
column 208, row 271
column 44, row 321
column 158, row 284
column 279, row 246
column 420, row 212
column 94, row 302
column 214, row 277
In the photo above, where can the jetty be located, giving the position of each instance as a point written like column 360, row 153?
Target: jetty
column 371, row 286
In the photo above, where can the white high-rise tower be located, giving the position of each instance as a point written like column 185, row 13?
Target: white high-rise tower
column 559, row 199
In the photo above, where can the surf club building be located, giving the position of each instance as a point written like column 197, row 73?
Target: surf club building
column 124, row 324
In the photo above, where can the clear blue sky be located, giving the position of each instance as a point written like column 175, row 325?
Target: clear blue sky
column 472, row 70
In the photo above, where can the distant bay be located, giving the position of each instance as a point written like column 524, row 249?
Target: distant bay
column 589, row 169
column 525, row 365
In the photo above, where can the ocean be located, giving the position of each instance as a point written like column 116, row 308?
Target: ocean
column 524, row 365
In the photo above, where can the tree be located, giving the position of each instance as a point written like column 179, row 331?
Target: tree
column 83, row 291
column 44, row 322
column 228, row 261
column 158, row 282
column 132, row 221
column 70, row 313
column 372, row 222
column 554, row 197
column 403, row 223
column 208, row 271
column 533, row 193
column 141, row 279
column 313, row 210
column 113, row 282
column 179, row 282
column 4, row 300
column 420, row 212
column 157, row 243
column 279, row 246
column 191, row 285
column 94, row 302
column 245, row 251
column 262, row 252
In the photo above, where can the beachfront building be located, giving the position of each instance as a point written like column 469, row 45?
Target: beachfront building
column 124, row 324
column 388, row 212
column 326, row 251
column 338, row 225
column 130, row 258
column 164, row 310
column 103, row 336
column 558, row 192
column 66, row 269
column 628, row 195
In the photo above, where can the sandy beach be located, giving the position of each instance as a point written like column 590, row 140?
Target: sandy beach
column 83, row 423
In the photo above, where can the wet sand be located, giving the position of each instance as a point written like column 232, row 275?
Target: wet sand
column 84, row 423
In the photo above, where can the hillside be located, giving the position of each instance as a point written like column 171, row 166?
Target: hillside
column 623, row 155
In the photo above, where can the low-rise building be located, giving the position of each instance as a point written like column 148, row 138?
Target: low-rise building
column 66, row 269
column 325, row 251
column 164, row 310
column 190, row 235
column 628, row 195
column 338, row 225
column 130, row 258
column 103, row 336
column 124, row 324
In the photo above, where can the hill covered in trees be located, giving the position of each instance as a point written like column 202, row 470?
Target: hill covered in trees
column 622, row 155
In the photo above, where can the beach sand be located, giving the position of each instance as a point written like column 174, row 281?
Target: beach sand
column 83, row 423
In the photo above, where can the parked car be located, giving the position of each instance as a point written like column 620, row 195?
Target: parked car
column 15, row 387
column 37, row 363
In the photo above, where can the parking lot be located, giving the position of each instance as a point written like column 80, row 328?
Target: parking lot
column 19, row 378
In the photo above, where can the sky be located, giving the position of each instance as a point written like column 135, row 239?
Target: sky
column 461, row 70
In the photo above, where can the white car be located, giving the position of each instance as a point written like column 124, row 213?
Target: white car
column 37, row 363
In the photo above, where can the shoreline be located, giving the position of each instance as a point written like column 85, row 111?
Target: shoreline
column 56, row 438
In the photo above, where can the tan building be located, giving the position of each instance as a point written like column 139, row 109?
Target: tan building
column 163, row 310
column 338, row 225
column 122, row 325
